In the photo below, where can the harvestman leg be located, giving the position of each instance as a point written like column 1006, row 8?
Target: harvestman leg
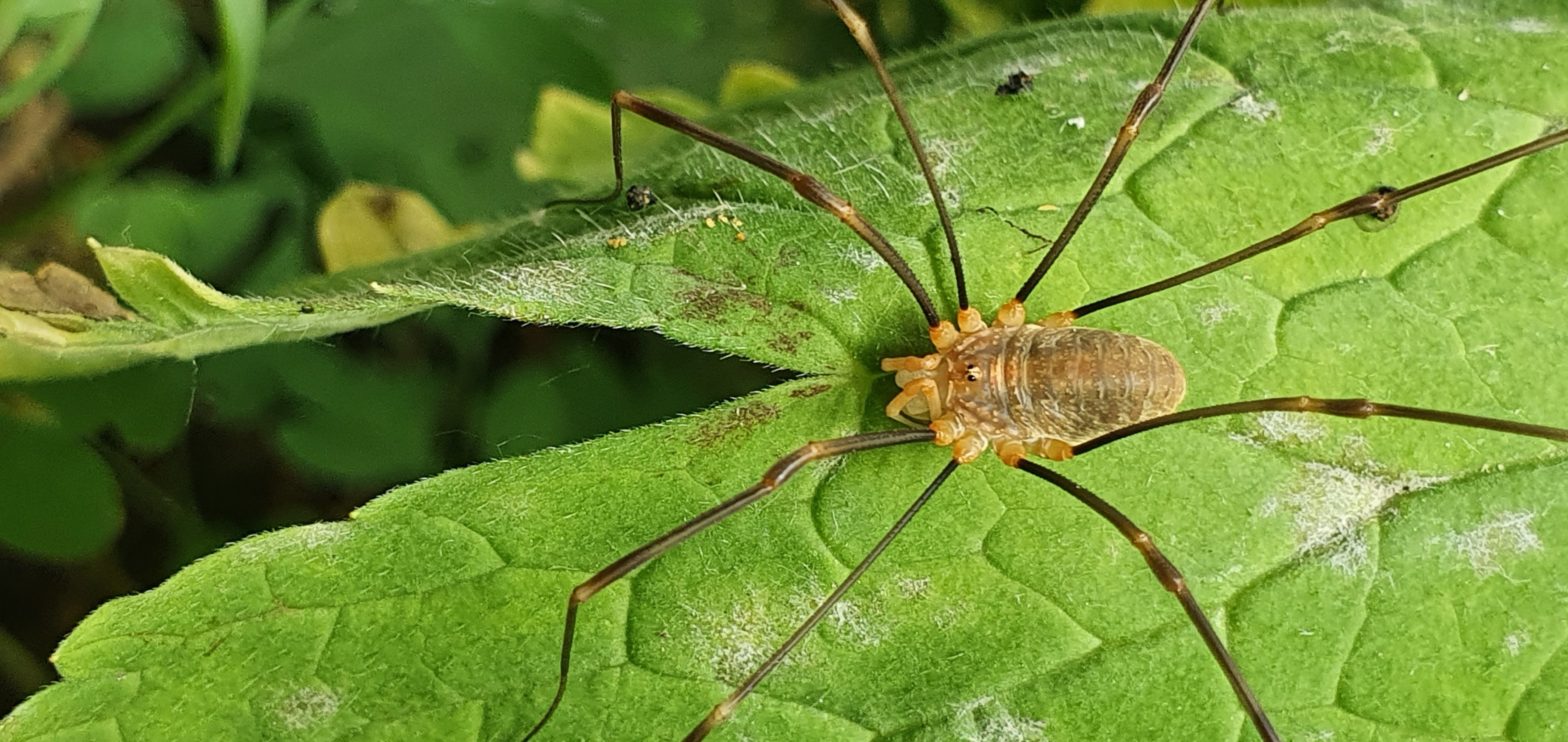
column 727, row 706
column 1356, row 408
column 1142, row 106
column 776, row 475
column 1172, row 580
column 1380, row 203
column 804, row 184
column 808, row 187
column 857, row 28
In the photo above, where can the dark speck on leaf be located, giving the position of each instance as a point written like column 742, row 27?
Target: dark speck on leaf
column 711, row 304
column 788, row 342
column 307, row 309
column 384, row 204
column 1016, row 83
column 639, row 197
column 809, row 391
column 739, row 419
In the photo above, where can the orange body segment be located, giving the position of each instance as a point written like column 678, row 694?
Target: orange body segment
column 1037, row 387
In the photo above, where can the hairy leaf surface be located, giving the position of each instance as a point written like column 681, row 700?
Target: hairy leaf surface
column 1376, row 579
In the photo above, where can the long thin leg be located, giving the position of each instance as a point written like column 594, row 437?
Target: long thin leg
column 1147, row 99
column 857, row 28
column 1380, row 203
column 1358, row 408
column 776, row 475
column 808, row 187
column 1171, row 578
column 727, row 706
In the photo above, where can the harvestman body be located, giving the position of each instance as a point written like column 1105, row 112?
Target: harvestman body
column 1049, row 388
column 1035, row 389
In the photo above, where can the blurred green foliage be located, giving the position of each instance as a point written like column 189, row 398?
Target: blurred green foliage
column 214, row 133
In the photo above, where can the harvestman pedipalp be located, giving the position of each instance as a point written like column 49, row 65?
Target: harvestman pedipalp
column 981, row 387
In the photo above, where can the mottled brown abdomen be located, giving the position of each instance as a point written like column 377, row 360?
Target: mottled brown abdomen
column 1032, row 383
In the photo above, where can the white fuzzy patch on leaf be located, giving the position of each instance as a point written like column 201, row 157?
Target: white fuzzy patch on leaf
column 1380, row 141
column 1254, row 108
column 304, row 538
column 307, row 708
column 1515, row 642
column 847, row 621
column 1282, row 427
column 913, row 587
column 1327, row 505
column 863, row 258
column 985, row 719
column 738, row 639
column 1210, row 315
column 1527, row 26
column 1489, row 543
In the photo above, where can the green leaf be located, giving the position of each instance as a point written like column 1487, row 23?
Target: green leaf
column 136, row 51
column 750, row 82
column 339, row 430
column 66, row 24
column 976, row 16
column 1336, row 555
column 242, row 24
column 206, row 229
column 147, row 406
column 580, row 389
column 570, row 132
column 180, row 317
column 365, row 223
column 60, row 498
column 426, row 96
column 12, row 16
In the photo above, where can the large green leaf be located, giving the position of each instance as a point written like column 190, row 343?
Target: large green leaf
column 1376, row 579
column 243, row 26
column 136, row 51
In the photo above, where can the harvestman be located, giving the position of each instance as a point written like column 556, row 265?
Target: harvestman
column 983, row 386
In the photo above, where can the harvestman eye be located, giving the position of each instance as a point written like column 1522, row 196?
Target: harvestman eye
column 1076, row 399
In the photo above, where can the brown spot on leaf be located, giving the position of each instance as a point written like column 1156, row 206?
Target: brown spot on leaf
column 365, row 223
column 56, row 289
column 809, row 391
column 732, row 421
column 790, row 255
column 382, row 202
column 789, row 342
column 710, row 303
